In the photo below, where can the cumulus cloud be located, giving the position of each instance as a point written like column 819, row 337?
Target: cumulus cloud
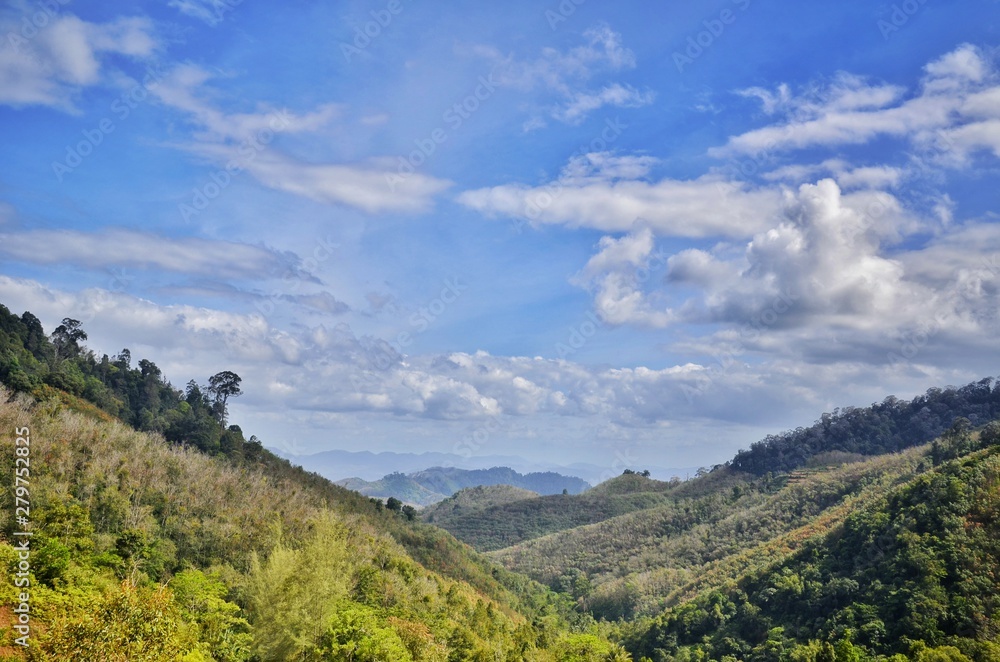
column 615, row 276
column 48, row 64
column 826, row 285
column 335, row 371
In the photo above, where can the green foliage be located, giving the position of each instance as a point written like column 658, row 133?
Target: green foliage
column 355, row 633
column 885, row 427
column 222, row 562
column 490, row 521
column 220, row 625
column 128, row 625
column 912, row 572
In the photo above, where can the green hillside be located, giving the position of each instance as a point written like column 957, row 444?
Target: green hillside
column 913, row 571
column 160, row 553
column 160, row 533
column 504, row 524
column 397, row 485
column 473, row 499
column 631, row 564
column 189, row 542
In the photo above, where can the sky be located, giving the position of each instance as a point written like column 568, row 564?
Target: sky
column 618, row 233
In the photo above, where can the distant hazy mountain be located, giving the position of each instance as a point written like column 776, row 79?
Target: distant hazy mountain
column 438, row 483
column 338, row 465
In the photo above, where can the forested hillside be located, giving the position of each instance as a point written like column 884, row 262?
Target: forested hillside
column 911, row 572
column 885, row 427
column 492, row 525
column 161, row 533
column 145, row 548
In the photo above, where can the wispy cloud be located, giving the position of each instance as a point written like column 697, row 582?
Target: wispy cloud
column 244, row 141
column 64, row 56
column 567, row 74
column 955, row 103
column 607, row 192
column 119, row 247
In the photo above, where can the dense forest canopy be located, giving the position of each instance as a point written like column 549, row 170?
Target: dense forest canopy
column 884, row 427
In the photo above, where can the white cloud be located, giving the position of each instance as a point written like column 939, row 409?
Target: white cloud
column 209, row 11
column 606, row 192
column 567, row 74
column 373, row 187
column 583, row 103
column 612, row 275
column 180, row 89
column 958, row 91
column 823, row 253
column 244, row 141
column 863, row 177
column 64, row 56
column 131, row 248
column 964, row 63
column 334, row 371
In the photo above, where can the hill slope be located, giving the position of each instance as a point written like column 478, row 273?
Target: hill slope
column 913, row 571
column 498, row 525
column 473, row 499
column 632, row 564
column 145, row 547
column 205, row 546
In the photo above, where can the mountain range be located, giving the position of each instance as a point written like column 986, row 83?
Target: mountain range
column 366, row 465
column 438, row 483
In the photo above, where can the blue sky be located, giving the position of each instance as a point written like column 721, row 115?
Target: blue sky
column 573, row 232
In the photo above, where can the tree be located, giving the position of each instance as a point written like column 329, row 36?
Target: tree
column 394, row 504
column 222, row 386
column 67, row 337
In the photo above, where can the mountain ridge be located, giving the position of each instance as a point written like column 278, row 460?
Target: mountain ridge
column 435, row 484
